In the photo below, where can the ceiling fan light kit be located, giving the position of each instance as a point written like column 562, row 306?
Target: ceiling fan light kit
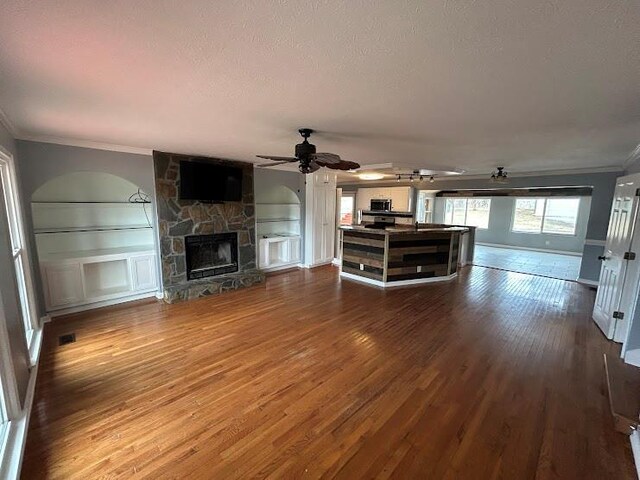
column 309, row 160
column 499, row 175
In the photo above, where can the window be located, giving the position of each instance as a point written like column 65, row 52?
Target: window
column 347, row 204
column 424, row 207
column 467, row 211
column 10, row 201
column 546, row 215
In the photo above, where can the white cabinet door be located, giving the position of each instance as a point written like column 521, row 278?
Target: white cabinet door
column 143, row 272
column 63, row 284
column 400, row 199
column 329, row 226
column 263, row 253
column 294, row 249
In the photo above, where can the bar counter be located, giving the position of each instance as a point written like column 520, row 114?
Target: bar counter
column 396, row 256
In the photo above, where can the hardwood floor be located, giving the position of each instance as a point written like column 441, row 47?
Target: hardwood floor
column 492, row 375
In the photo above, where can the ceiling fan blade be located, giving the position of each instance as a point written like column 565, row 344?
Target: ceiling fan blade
column 343, row 165
column 326, row 158
column 272, row 164
column 279, row 159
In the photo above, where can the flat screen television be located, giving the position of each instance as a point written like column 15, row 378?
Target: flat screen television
column 208, row 182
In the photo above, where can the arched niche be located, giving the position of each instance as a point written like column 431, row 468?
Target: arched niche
column 278, row 194
column 85, row 187
column 89, row 211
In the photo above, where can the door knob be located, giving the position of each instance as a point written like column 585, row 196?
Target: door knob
column 602, row 257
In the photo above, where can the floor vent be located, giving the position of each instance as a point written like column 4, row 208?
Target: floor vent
column 65, row 339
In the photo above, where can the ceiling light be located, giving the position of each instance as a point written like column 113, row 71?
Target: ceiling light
column 499, row 175
column 370, row 176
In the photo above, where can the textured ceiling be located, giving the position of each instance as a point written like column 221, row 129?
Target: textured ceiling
column 531, row 85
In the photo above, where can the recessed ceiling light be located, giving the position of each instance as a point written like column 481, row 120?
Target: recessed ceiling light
column 370, row 176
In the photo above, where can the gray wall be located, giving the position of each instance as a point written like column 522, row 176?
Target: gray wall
column 9, row 288
column 41, row 162
column 499, row 230
column 603, row 185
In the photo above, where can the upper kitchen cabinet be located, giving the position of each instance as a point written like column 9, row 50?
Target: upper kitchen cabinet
column 401, row 197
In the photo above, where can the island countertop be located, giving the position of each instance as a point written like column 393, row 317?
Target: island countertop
column 396, row 256
column 409, row 230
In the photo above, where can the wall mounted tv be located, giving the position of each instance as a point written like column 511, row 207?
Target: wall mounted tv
column 209, row 182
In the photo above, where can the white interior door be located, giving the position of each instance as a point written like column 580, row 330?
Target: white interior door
column 612, row 272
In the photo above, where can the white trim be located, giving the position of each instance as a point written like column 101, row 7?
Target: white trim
column 634, row 438
column 541, row 250
column 104, row 303
column 398, row 283
column 285, row 266
column 25, row 257
column 85, row 144
column 34, row 346
column 336, row 261
column 320, row 264
column 160, row 295
column 590, row 283
column 595, row 243
column 17, row 437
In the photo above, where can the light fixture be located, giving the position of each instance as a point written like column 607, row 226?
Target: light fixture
column 499, row 175
column 415, row 175
column 431, row 179
column 370, row 176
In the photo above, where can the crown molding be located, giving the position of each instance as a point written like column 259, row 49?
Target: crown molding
column 6, row 123
column 112, row 147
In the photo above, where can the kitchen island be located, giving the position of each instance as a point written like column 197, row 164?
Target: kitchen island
column 396, row 256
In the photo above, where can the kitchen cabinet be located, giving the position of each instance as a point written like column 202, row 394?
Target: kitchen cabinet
column 320, row 218
column 401, row 197
column 75, row 281
column 277, row 252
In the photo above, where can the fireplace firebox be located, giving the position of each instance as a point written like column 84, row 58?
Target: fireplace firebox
column 209, row 255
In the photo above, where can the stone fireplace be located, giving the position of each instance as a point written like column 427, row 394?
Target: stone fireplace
column 206, row 248
column 211, row 255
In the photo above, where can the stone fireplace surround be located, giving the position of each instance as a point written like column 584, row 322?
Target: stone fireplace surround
column 178, row 219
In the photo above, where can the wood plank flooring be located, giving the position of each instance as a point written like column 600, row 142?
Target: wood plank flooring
column 492, row 375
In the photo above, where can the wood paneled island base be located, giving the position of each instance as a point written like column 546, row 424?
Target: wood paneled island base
column 400, row 255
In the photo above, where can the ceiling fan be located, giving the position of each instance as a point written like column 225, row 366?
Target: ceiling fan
column 310, row 161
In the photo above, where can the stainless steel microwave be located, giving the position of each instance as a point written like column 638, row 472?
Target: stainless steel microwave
column 380, row 205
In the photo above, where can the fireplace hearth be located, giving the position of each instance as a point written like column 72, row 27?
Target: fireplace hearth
column 210, row 255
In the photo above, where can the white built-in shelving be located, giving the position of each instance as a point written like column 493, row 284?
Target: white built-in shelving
column 95, row 241
column 278, row 220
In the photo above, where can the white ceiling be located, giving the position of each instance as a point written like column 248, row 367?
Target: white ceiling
column 532, row 85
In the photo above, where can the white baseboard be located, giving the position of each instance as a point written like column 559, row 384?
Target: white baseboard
column 104, row 303
column 541, row 250
column 11, row 463
column 399, row 283
column 329, row 262
column 634, row 438
column 280, row 267
column 590, row 283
